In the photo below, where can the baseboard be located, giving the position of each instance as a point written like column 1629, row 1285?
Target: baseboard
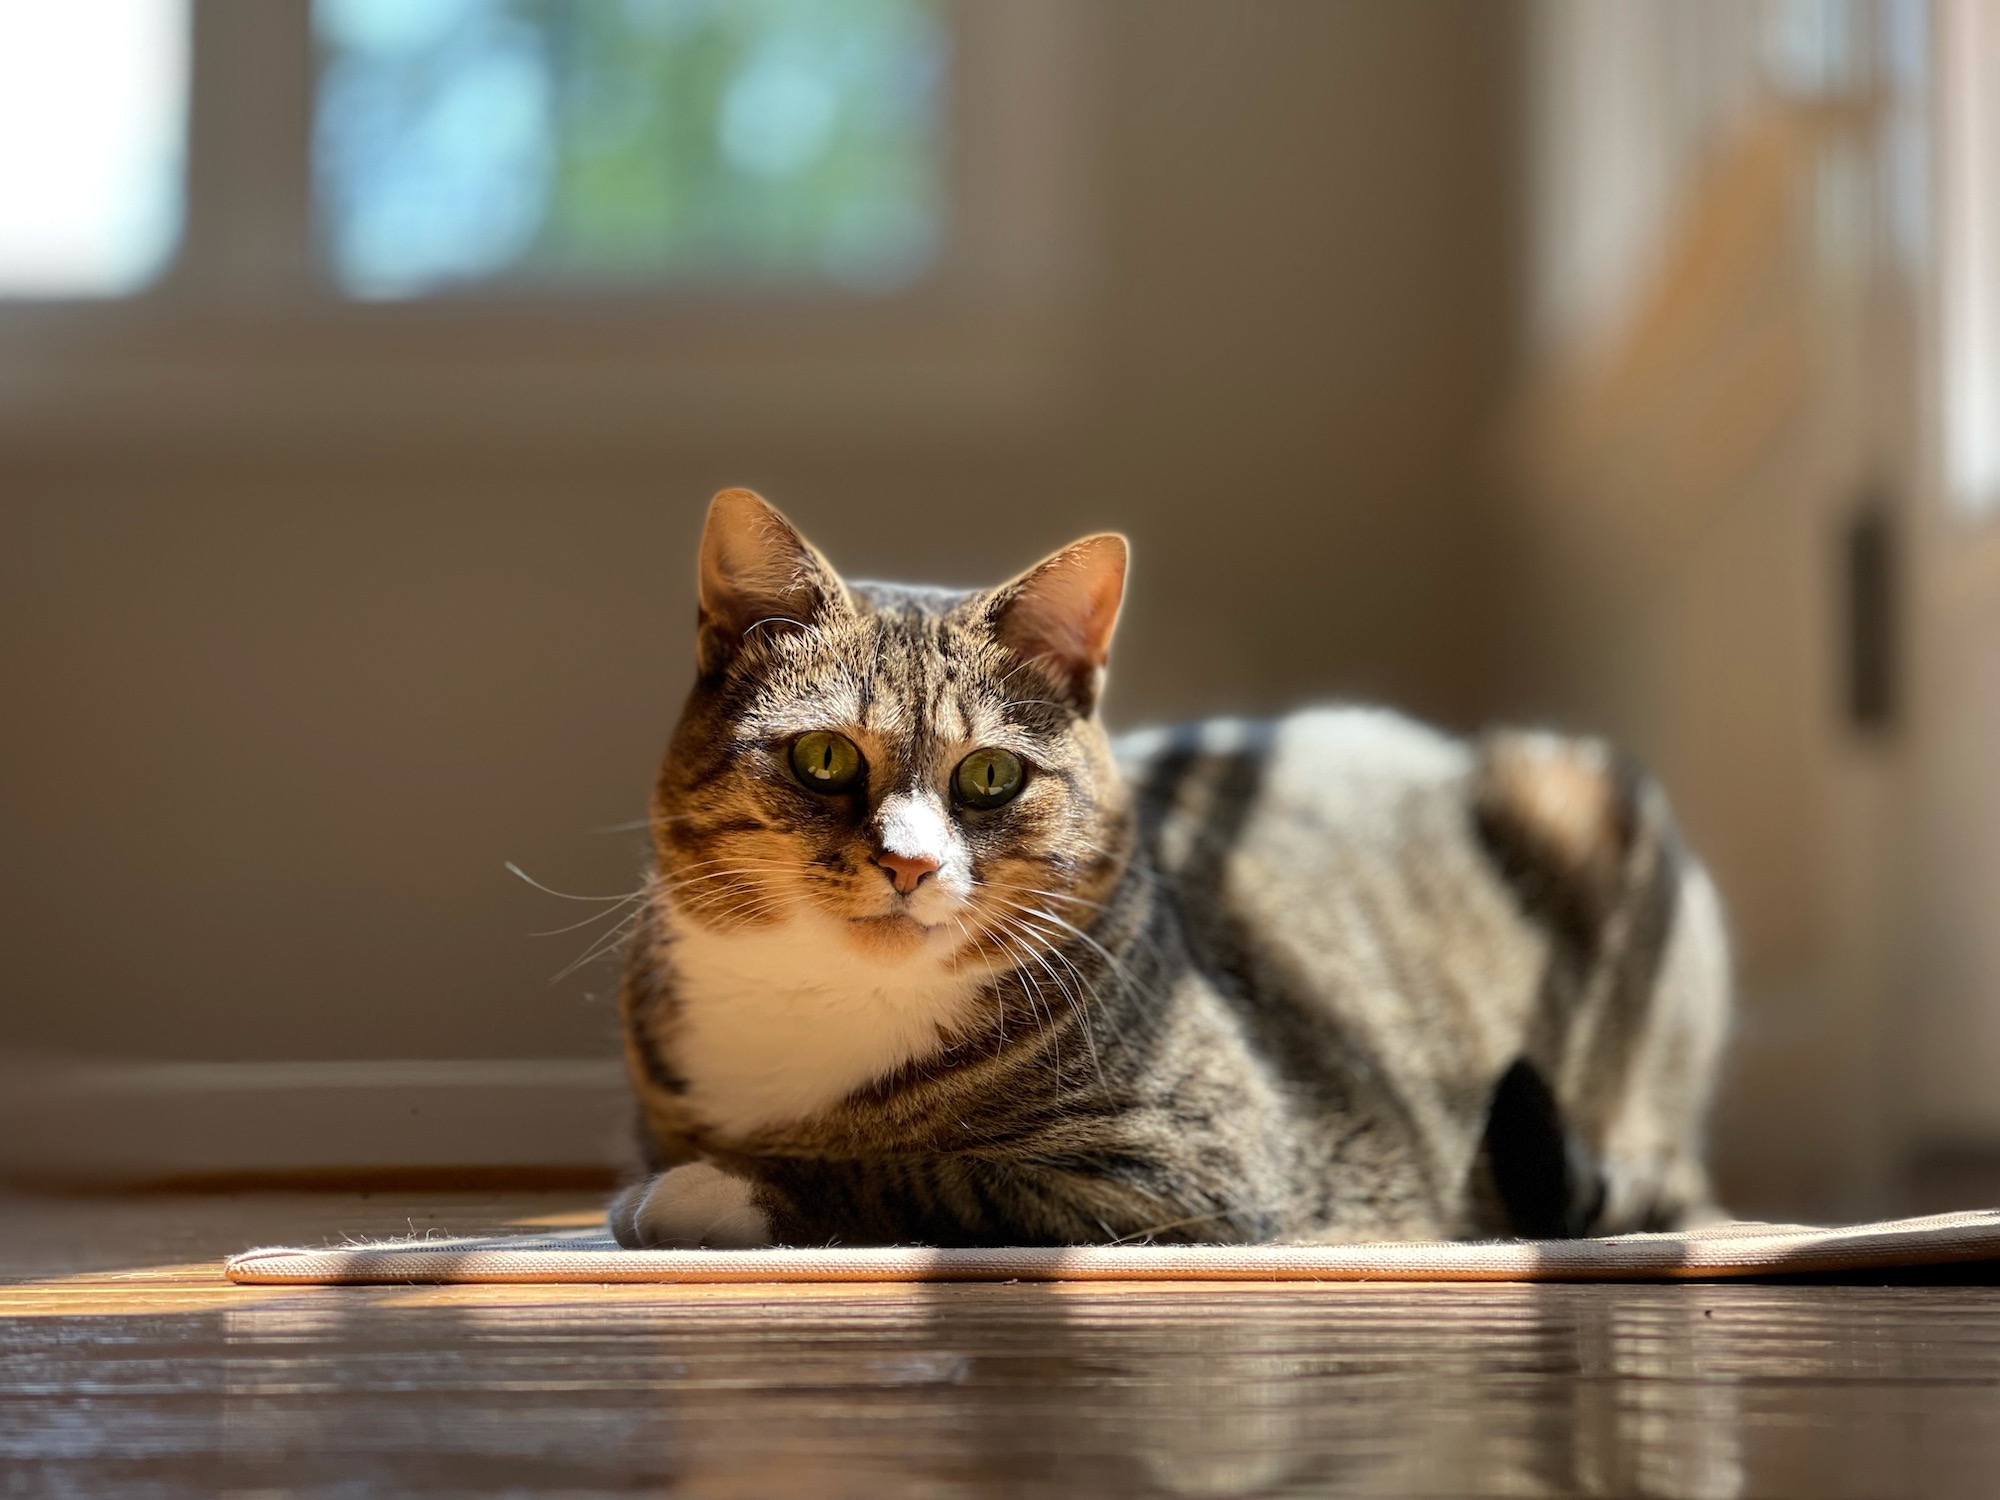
column 91, row 1122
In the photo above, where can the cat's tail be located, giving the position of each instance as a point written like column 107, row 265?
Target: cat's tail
column 1600, row 1120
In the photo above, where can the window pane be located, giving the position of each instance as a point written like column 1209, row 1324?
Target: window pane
column 93, row 116
column 618, row 141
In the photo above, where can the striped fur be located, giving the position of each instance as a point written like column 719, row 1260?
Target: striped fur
column 1335, row 976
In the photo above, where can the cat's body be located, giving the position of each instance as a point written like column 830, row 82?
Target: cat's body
column 1330, row 977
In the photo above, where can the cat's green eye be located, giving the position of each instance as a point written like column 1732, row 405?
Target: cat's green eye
column 826, row 762
column 988, row 778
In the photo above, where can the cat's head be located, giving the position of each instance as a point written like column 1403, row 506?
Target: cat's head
column 919, row 772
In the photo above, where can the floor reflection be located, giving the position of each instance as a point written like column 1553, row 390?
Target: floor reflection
column 1503, row 1390
column 1670, row 1391
column 1652, row 1411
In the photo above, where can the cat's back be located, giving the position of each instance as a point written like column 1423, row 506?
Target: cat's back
column 1318, row 790
column 1335, row 854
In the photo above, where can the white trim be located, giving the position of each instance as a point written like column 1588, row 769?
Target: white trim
column 89, row 1120
column 337, row 379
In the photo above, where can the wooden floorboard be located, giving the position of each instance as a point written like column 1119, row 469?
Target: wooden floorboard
column 129, row 1367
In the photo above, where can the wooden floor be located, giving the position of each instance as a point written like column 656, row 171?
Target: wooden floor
column 128, row 1367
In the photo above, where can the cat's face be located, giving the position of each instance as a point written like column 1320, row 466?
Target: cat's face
column 919, row 772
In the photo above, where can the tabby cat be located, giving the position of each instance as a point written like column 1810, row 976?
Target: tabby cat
column 928, row 958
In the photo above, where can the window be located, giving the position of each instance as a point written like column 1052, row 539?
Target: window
column 93, row 115
column 458, row 142
column 567, row 215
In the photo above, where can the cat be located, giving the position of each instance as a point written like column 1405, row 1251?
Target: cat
column 927, row 958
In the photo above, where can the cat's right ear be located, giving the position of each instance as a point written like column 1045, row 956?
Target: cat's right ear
column 757, row 572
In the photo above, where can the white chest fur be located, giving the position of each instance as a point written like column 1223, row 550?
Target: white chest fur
column 777, row 1023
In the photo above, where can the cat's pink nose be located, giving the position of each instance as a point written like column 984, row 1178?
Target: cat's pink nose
column 906, row 869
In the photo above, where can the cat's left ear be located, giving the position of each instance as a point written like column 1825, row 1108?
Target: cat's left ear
column 1060, row 614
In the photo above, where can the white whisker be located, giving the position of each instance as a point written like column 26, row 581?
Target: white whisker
column 1038, row 1006
column 1078, row 1006
column 1027, row 916
column 592, row 920
column 605, row 945
column 515, row 869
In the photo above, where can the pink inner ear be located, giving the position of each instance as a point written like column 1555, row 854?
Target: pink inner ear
column 755, row 565
column 1064, row 610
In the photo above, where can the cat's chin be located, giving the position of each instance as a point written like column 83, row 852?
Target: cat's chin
column 895, row 936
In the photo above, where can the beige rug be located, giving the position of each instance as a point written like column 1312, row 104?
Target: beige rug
column 1726, row 1250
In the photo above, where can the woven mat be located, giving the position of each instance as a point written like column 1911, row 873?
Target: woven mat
column 1724, row 1250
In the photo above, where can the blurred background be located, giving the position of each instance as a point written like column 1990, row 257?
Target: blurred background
column 1631, row 366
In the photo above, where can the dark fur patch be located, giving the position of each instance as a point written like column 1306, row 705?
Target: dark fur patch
column 1547, row 1178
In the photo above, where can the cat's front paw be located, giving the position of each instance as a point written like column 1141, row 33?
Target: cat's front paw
column 692, row 1207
